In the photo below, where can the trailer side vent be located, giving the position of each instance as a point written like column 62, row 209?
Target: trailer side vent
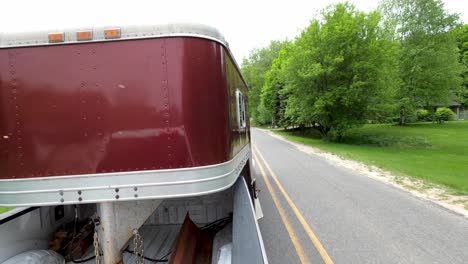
column 240, row 109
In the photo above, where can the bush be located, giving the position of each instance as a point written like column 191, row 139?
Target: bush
column 444, row 114
column 423, row 115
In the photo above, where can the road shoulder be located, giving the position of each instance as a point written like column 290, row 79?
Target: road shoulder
column 418, row 188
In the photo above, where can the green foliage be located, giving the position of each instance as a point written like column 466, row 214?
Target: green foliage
column 444, row 114
column 263, row 116
column 274, row 96
column 254, row 69
column 429, row 66
column 348, row 68
column 423, row 115
column 339, row 69
column 461, row 35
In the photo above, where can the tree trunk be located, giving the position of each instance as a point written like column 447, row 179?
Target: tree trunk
column 402, row 121
column 323, row 130
column 339, row 136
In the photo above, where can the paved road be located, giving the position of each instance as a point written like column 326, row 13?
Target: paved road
column 354, row 218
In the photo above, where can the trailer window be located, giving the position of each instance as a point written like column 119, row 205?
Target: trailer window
column 241, row 122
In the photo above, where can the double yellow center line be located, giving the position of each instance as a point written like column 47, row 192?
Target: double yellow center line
column 313, row 238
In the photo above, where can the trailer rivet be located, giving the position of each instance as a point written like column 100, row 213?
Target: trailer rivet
column 116, row 189
column 61, row 193
column 80, row 199
column 136, row 195
column 117, row 197
column 79, row 192
column 62, row 200
column 135, row 189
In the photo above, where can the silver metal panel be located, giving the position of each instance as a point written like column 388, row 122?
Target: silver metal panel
column 222, row 245
column 247, row 242
column 30, row 231
column 258, row 209
column 117, row 220
column 123, row 186
column 39, row 38
column 202, row 209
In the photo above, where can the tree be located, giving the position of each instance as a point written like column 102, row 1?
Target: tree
column 339, row 68
column 461, row 35
column 264, row 116
column 429, row 66
column 273, row 96
column 254, row 69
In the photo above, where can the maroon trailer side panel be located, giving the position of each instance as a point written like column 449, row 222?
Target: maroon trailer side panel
column 117, row 106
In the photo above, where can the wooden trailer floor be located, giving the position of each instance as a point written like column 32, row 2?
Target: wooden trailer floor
column 158, row 241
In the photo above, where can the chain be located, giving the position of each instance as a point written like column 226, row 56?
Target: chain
column 96, row 247
column 97, row 251
column 138, row 247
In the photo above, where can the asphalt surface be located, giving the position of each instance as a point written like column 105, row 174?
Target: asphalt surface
column 355, row 218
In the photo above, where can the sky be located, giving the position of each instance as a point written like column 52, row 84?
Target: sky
column 246, row 24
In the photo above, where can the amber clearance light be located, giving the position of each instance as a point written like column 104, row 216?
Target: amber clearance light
column 84, row 35
column 56, row 37
column 112, row 33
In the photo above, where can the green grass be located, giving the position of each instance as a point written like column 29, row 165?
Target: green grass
column 432, row 152
column 5, row 209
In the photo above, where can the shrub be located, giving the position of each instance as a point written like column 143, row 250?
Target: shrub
column 423, row 115
column 444, row 114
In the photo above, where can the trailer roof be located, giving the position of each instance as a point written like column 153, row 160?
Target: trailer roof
column 40, row 38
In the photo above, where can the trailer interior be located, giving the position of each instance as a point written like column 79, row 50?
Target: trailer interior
column 214, row 228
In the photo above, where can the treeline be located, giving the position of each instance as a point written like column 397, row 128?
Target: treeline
column 350, row 67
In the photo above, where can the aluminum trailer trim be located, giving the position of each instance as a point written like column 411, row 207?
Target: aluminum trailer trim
column 247, row 241
column 129, row 32
column 123, row 186
column 40, row 38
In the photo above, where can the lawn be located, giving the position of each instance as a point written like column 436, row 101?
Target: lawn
column 4, row 209
column 437, row 153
